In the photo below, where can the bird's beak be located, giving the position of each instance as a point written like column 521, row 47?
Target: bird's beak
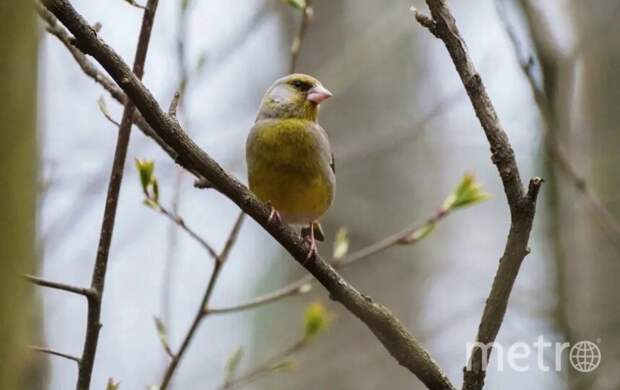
column 319, row 93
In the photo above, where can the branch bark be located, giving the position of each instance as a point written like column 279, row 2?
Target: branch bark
column 522, row 203
column 220, row 260
column 384, row 325
column 93, row 325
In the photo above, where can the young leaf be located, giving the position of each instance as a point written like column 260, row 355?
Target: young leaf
column 145, row 169
column 341, row 244
column 467, row 193
column 232, row 364
column 162, row 333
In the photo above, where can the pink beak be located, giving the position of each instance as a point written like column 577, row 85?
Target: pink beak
column 318, row 94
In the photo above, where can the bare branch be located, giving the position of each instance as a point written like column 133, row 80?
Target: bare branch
column 87, row 292
column 384, row 325
column 201, row 312
column 55, row 353
column 93, row 325
column 269, row 366
column 181, row 223
column 522, row 205
column 307, row 14
column 54, row 28
column 135, row 4
column 303, row 285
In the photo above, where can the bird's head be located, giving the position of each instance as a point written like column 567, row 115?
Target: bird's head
column 293, row 96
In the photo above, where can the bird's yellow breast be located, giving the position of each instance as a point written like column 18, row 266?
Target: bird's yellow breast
column 288, row 168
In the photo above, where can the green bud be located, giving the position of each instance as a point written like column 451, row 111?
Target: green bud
column 299, row 4
column 232, row 364
column 162, row 333
column 341, row 244
column 145, row 169
column 467, row 193
column 315, row 320
column 283, row 365
column 112, row 384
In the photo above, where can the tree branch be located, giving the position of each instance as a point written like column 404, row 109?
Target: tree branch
column 93, row 324
column 384, row 325
column 84, row 291
column 55, row 353
column 89, row 69
column 307, row 13
column 522, row 204
column 407, row 236
column 266, row 367
column 201, row 312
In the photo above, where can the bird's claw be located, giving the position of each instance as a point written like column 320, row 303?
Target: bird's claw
column 313, row 251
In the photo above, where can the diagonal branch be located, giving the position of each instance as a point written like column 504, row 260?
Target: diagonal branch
column 407, row 236
column 522, row 204
column 89, row 69
column 384, row 325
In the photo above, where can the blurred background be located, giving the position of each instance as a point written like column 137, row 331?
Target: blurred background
column 403, row 134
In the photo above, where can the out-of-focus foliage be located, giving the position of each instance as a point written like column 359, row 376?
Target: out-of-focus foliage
column 316, row 320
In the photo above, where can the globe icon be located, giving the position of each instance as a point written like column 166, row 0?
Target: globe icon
column 585, row 356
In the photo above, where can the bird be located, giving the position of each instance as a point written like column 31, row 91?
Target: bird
column 290, row 164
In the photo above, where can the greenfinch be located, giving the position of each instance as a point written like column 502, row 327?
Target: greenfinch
column 289, row 159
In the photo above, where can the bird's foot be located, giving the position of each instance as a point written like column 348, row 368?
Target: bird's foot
column 313, row 251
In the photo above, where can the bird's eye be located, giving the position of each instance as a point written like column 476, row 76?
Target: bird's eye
column 300, row 85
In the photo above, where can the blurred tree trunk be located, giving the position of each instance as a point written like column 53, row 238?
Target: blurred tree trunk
column 583, row 88
column 592, row 261
column 18, row 40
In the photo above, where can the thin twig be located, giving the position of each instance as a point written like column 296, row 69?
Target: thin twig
column 181, row 223
column 87, row 292
column 303, row 285
column 522, row 203
column 172, row 241
column 135, row 4
column 266, row 367
column 172, row 111
column 93, row 324
column 298, row 40
column 201, row 312
column 390, row 331
column 55, row 353
column 90, row 70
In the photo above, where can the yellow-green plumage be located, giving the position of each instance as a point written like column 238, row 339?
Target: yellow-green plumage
column 288, row 155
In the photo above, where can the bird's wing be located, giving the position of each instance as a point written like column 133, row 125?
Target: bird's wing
column 326, row 147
